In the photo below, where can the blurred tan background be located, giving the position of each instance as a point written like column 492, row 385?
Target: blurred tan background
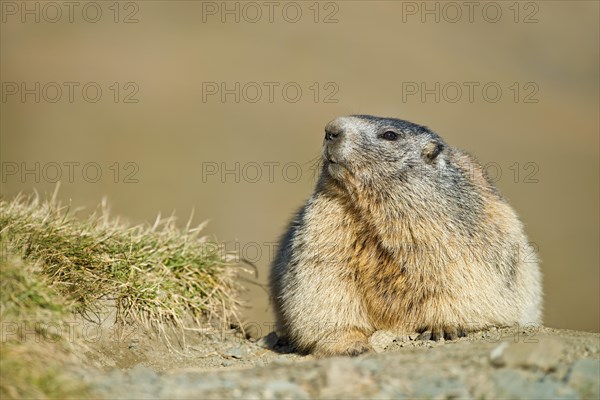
column 178, row 137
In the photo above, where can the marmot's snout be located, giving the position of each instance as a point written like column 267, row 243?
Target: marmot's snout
column 334, row 130
column 335, row 133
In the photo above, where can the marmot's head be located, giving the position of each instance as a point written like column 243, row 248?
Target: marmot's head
column 366, row 149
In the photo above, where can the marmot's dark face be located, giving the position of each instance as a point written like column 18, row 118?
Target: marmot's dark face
column 364, row 148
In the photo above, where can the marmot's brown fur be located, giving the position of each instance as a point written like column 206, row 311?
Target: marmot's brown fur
column 405, row 233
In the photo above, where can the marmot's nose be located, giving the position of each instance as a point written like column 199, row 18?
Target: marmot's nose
column 333, row 131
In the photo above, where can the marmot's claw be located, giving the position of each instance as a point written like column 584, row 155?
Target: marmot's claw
column 358, row 348
column 424, row 336
column 451, row 334
column 437, row 335
column 447, row 333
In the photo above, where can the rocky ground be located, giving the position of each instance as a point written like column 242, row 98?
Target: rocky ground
column 508, row 363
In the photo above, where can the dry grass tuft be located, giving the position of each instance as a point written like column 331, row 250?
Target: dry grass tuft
column 53, row 264
column 152, row 274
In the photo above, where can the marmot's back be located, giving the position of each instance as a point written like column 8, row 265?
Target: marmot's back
column 402, row 232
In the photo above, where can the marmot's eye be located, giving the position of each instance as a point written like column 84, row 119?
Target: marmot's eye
column 389, row 135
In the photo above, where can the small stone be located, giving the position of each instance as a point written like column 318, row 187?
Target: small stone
column 380, row 340
column 544, row 355
column 403, row 338
column 591, row 349
column 496, row 355
column 236, row 352
column 227, row 363
column 269, row 341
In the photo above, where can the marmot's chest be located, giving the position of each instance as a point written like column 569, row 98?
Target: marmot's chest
column 399, row 283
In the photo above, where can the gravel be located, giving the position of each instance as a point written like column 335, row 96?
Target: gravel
column 557, row 364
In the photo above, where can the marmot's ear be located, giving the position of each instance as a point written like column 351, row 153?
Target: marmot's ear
column 432, row 150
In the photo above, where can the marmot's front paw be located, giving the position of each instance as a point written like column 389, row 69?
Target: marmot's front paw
column 357, row 348
column 445, row 332
column 349, row 343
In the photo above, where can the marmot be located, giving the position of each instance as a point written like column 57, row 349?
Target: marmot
column 404, row 233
